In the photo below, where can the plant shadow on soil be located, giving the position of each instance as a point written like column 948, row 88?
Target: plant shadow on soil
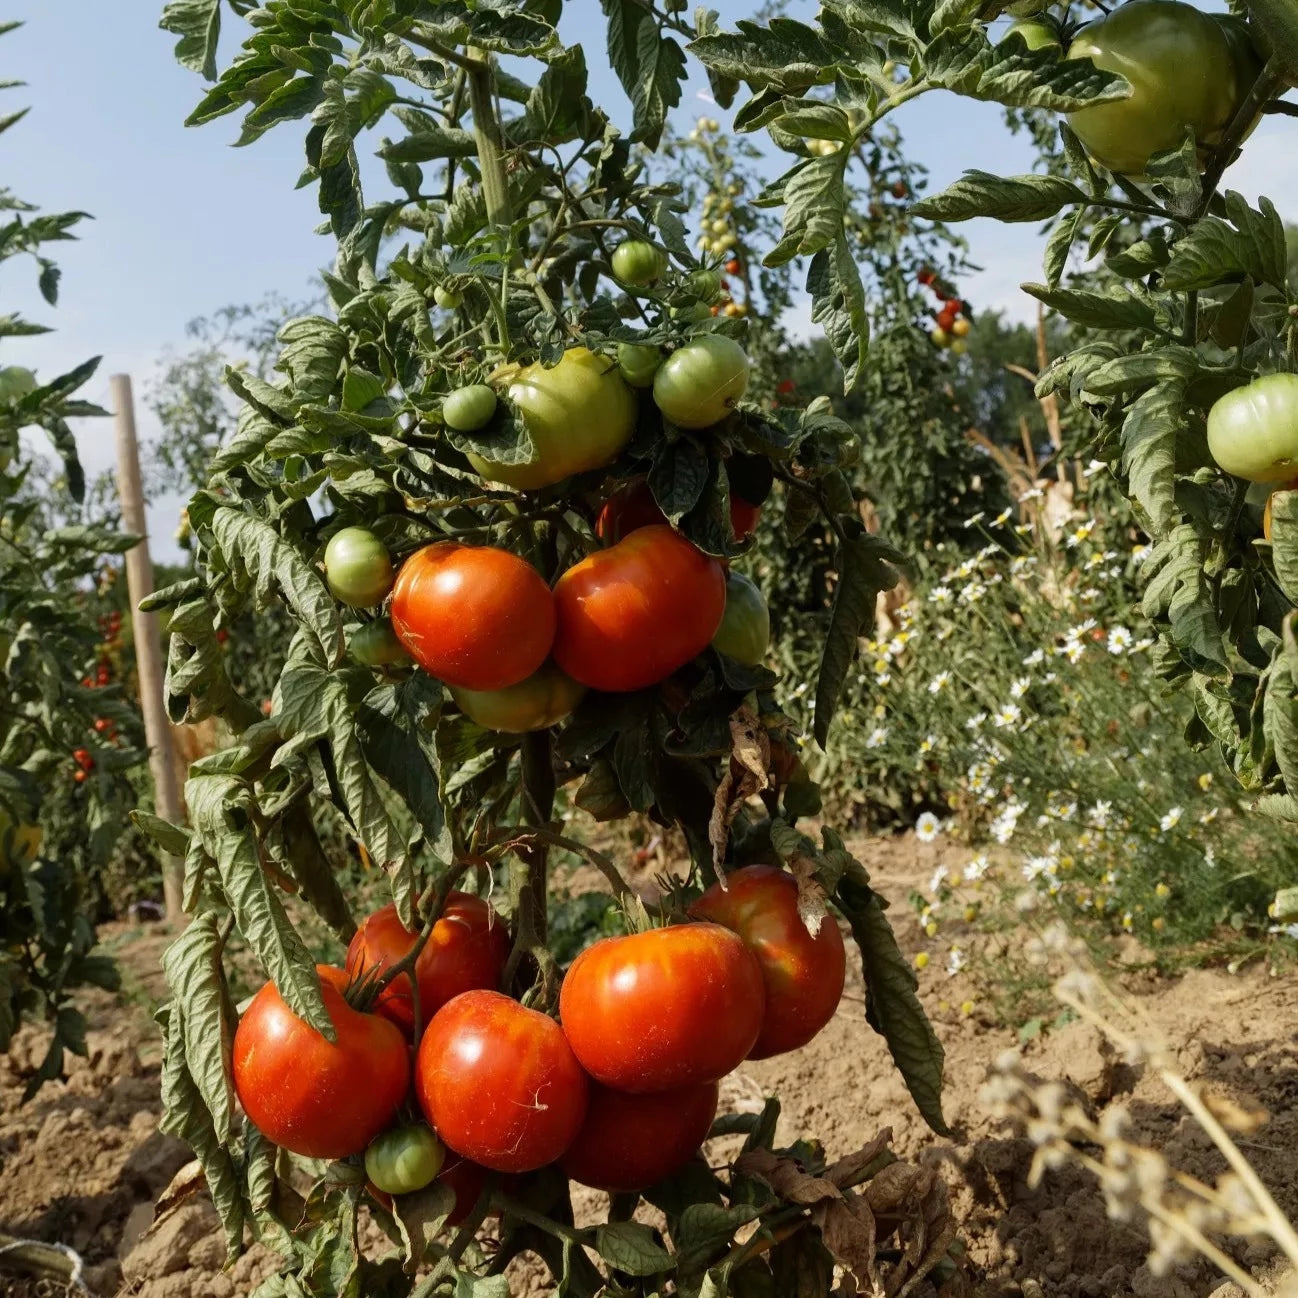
column 83, row 1162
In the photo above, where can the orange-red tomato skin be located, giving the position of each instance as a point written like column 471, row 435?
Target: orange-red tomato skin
column 631, row 615
column 313, row 1097
column 466, row 950
column 665, row 1008
column 803, row 975
column 630, row 1142
column 476, row 617
column 499, row 1083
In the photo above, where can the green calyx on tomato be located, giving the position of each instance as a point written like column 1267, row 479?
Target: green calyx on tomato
column 543, row 700
column 1183, row 74
column 447, row 298
column 639, row 363
column 638, row 262
column 700, row 382
column 469, row 408
column 475, row 616
column 1253, row 431
column 745, row 630
column 579, row 415
column 630, row 615
column 375, row 644
column 358, row 568
column 404, row 1159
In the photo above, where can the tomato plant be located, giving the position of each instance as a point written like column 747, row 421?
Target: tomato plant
column 499, row 1083
column 630, row 1142
column 465, row 951
column 473, row 616
column 803, row 971
column 311, row 1095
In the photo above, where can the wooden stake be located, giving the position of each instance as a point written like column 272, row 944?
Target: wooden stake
column 148, row 643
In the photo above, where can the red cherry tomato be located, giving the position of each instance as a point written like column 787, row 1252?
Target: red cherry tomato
column 318, row 1098
column 734, row 266
column 900, row 189
column 665, row 1008
column 630, row 615
column 926, row 276
column 102, row 724
column 473, row 616
column 499, row 1083
column 79, row 776
column 946, row 320
column 466, row 950
column 804, row 975
column 630, row 1142
column 83, row 759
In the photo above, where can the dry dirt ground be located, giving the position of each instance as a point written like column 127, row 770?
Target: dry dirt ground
column 83, row 1162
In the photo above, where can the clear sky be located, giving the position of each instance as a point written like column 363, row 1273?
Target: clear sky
column 185, row 224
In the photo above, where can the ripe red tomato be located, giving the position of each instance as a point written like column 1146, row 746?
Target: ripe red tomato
column 318, row 1098
column 630, row 1142
column 926, row 276
column 946, row 320
column 900, row 189
column 743, row 517
column 499, row 1083
column 79, row 776
column 630, row 615
column 83, row 759
column 466, row 950
column 804, row 975
column 473, row 616
column 102, row 724
column 734, row 266
column 665, row 1008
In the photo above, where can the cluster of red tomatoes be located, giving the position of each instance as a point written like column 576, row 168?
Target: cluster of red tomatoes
column 518, row 654
column 620, row 1092
column 951, row 319
column 110, row 627
column 85, row 763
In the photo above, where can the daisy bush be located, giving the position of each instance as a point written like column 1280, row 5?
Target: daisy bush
column 1012, row 709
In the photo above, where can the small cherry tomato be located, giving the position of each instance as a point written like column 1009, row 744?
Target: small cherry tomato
column 358, row 568
column 700, row 382
column 630, row 1142
column 900, row 189
column 734, row 266
column 960, row 328
column 499, row 1083
column 102, row 724
column 946, row 320
column 404, row 1159
column 940, row 338
column 469, row 408
column 83, row 759
column 959, row 347
column 926, row 276
column 637, row 262
column 79, row 775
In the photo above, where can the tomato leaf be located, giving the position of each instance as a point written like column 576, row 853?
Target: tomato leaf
column 649, row 64
column 1011, row 198
column 814, row 201
column 1280, row 709
column 786, row 55
column 679, row 475
column 1149, row 440
column 193, row 967
column 1278, row 24
column 1178, row 590
column 632, row 1248
column 198, row 24
column 863, row 571
column 1284, row 541
column 838, row 307
column 892, row 1005
column 1116, row 309
column 600, row 795
column 1213, row 251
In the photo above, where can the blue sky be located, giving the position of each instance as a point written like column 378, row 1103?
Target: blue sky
column 185, row 224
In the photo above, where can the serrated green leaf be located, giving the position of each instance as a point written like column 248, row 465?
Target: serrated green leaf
column 198, row 24
column 784, row 55
column 838, row 306
column 630, row 1247
column 1012, row 198
column 1284, row 544
column 649, row 63
column 1214, row 251
column 1149, row 437
column 1115, row 309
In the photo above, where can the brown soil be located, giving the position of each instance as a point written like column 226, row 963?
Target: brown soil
column 83, row 1162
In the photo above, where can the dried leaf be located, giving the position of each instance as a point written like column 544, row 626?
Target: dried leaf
column 848, row 1229
column 850, row 1168
column 913, row 1202
column 812, row 910
column 188, row 1182
column 750, row 754
column 786, row 1177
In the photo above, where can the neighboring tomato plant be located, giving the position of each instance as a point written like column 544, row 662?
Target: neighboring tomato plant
column 465, row 951
column 630, row 1142
column 311, row 1096
column 630, row 615
column 663, row 1009
column 499, row 1083
column 1253, row 430
column 578, row 415
column 803, row 973
column 476, row 617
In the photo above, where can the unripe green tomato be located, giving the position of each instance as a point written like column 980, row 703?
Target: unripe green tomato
column 638, row 262
column 469, row 408
column 726, row 242
column 692, row 314
column 1182, row 74
column 639, row 363
column 16, row 382
column 446, row 298
column 745, row 630
column 703, row 283
column 537, row 703
column 404, row 1160
column 940, row 338
column 358, row 568
column 1034, row 33
column 700, row 382
column 1253, row 431
column 1025, row 8
column 959, row 347
column 376, row 645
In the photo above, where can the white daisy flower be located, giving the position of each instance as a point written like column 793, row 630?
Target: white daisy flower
column 1035, row 658
column 1098, row 816
column 1171, row 819
column 927, row 827
column 878, row 737
column 938, row 879
column 939, row 682
column 955, row 961
column 1120, row 639
column 940, row 595
column 976, row 869
column 1020, row 687
column 1007, row 716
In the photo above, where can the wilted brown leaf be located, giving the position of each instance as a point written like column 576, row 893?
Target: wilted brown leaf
column 913, row 1202
column 849, row 1169
column 786, row 1177
column 848, row 1229
column 750, row 753
column 188, row 1182
column 812, row 910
